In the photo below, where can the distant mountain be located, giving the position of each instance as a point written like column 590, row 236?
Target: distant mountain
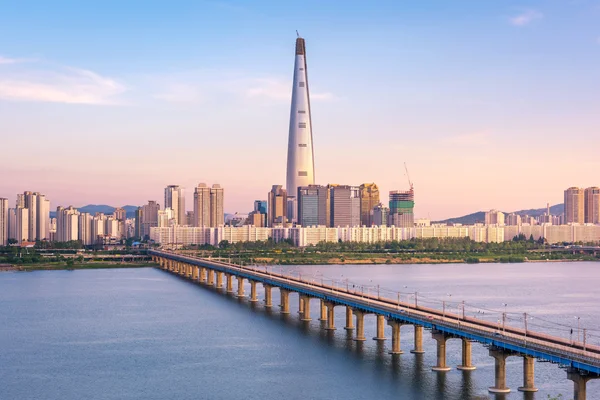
column 479, row 217
column 101, row 208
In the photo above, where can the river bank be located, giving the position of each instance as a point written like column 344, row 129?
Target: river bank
column 62, row 266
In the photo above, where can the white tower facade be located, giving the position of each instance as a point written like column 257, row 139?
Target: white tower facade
column 301, row 160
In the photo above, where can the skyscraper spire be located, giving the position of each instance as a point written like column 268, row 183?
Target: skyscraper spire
column 300, row 162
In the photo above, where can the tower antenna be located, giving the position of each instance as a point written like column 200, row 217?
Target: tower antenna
column 297, row 34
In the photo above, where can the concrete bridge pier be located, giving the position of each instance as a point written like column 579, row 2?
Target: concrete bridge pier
column 349, row 319
column 219, row 279
column 528, row 375
column 500, row 371
column 305, row 301
column 285, row 301
column 253, row 296
column 323, row 308
column 229, row 283
column 300, row 305
column 195, row 273
column 171, row 265
column 380, row 328
column 202, row 274
column 211, row 277
column 360, row 326
column 466, row 356
column 418, row 347
column 330, row 316
column 240, row 292
column 268, row 295
column 441, row 339
column 579, row 383
column 395, row 337
column 189, row 269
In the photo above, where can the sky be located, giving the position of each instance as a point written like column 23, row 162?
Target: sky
column 491, row 104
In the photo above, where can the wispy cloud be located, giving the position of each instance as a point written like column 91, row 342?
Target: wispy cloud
column 526, row 17
column 180, row 93
column 278, row 89
column 6, row 60
column 59, row 85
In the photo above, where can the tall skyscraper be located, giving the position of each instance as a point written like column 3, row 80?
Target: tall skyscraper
column 574, row 205
column 277, row 201
column 313, row 205
column 402, row 204
column 43, row 218
column 202, row 205
column 301, row 160
column 369, row 198
column 592, row 205
column 149, row 217
column 22, row 224
column 67, row 224
column 3, row 222
column 84, row 229
column 217, row 199
column 175, row 200
column 344, row 203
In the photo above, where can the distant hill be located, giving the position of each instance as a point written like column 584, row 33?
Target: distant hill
column 479, row 217
column 102, row 208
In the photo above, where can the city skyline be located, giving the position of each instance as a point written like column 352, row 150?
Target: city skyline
column 472, row 114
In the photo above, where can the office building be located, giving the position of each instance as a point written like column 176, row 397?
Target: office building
column 313, row 205
column 592, row 205
column 175, row 200
column 344, row 204
column 217, row 201
column 369, row 198
column 380, row 215
column 277, row 206
column 574, row 205
column 3, row 222
column 300, row 159
column 402, row 204
column 261, row 206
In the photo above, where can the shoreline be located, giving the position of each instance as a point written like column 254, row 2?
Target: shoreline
column 82, row 266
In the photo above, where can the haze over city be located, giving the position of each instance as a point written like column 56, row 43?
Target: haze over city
column 481, row 99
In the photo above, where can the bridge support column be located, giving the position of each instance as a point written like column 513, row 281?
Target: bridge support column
column 300, row 305
column 229, row 283
column 360, row 326
column 253, row 297
column 268, row 296
column 285, row 301
column 195, row 273
column 500, row 371
column 306, row 307
column 395, row 337
column 466, row 356
column 349, row 319
column 528, row 375
column 440, row 338
column 418, row 340
column 579, row 383
column 380, row 328
column 323, row 316
column 189, row 270
column 202, row 274
column 330, row 316
column 219, row 279
column 211, row 278
column 240, row 293
column 171, row 265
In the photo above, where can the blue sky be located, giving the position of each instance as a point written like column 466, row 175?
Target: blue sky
column 492, row 104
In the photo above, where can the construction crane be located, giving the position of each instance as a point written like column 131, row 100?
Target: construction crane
column 408, row 176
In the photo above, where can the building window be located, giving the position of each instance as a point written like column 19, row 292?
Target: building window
column 302, row 145
column 301, row 124
column 302, row 173
column 301, row 112
column 301, row 69
column 301, row 84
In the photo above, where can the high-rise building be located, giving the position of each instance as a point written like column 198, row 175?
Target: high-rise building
column 149, row 217
column 402, row 204
column 22, row 224
column 292, row 209
column 84, row 229
column 313, row 205
column 166, row 218
column 3, row 222
column 43, row 218
column 574, row 205
column 217, row 202
column 202, row 205
column 31, row 203
column 261, row 206
column 12, row 224
column 67, row 224
column 175, row 200
column 513, row 219
column 344, row 204
column 277, row 201
column 369, row 198
column 98, row 228
column 257, row 219
column 300, row 160
column 380, row 215
column 494, row 217
column 592, row 205
column 137, row 232
column 120, row 215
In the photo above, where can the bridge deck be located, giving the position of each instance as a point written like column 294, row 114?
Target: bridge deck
column 535, row 344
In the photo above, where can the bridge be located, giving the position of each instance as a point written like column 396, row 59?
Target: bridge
column 580, row 360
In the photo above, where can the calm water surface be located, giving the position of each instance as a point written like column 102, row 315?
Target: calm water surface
column 146, row 334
